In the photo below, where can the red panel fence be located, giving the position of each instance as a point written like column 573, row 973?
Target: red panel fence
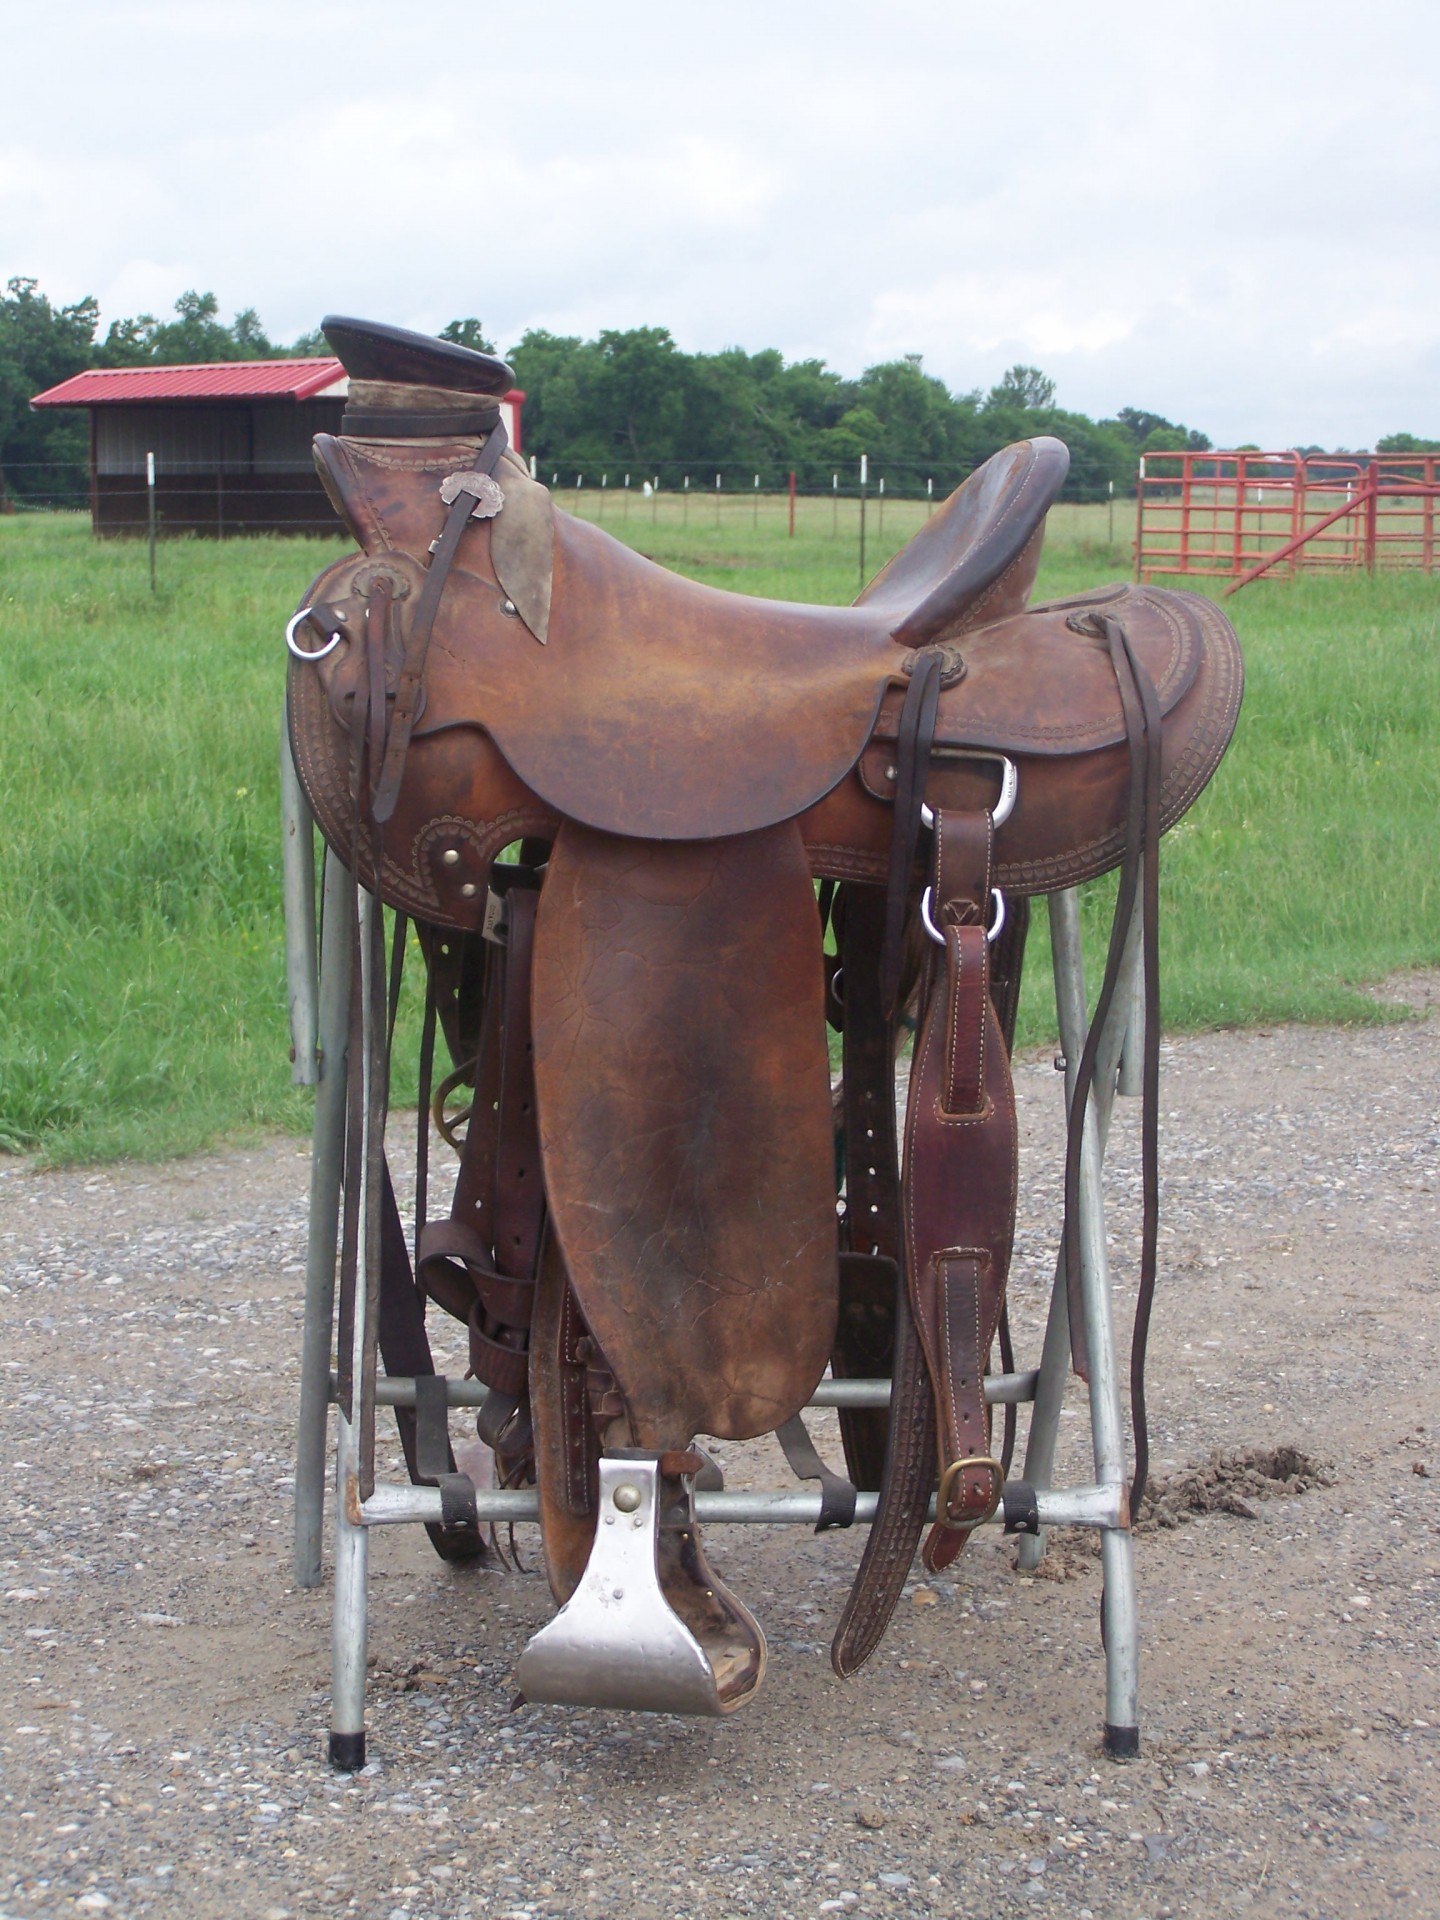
column 1239, row 515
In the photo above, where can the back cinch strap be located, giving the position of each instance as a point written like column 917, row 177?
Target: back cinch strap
column 837, row 1496
column 424, row 1433
column 433, row 1458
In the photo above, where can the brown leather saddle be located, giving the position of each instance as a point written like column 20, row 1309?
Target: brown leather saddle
column 729, row 820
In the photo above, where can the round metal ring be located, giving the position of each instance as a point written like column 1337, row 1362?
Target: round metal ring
column 304, row 653
column 992, row 932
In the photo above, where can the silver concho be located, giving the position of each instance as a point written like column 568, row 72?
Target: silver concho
column 488, row 497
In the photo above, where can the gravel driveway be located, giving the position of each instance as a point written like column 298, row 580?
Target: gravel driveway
column 163, row 1686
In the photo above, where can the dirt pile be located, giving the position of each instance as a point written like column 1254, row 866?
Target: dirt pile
column 1230, row 1483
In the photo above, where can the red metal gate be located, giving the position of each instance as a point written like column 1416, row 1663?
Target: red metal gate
column 1238, row 515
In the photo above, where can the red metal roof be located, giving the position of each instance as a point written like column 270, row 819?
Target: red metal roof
column 226, row 380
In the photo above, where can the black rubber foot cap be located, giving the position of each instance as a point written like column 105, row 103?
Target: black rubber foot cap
column 1121, row 1743
column 347, row 1752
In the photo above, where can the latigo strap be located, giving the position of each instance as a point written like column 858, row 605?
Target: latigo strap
column 958, row 1231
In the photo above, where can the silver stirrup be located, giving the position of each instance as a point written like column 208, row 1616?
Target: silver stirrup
column 617, row 1642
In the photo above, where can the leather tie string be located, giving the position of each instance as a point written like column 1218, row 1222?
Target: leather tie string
column 427, row 605
column 1139, row 877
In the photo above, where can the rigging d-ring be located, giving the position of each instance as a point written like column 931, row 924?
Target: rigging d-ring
column 1009, row 787
column 304, row 653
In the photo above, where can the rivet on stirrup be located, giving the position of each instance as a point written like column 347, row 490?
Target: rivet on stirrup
column 952, row 1474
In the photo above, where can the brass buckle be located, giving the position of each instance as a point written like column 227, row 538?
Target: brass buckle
column 947, row 1481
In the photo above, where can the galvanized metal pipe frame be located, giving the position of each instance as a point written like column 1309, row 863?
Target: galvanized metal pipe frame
column 1119, row 1614
column 350, row 1625
column 1121, row 1041
column 327, row 1157
column 1102, row 1506
column 395, row 1505
column 1001, row 1389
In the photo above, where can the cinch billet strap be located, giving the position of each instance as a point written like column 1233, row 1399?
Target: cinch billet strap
column 904, row 1497
column 959, row 1197
column 481, row 1263
column 405, row 1350
column 960, row 1180
column 837, row 1496
column 865, row 1327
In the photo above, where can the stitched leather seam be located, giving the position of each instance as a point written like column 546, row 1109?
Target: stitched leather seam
column 954, row 1036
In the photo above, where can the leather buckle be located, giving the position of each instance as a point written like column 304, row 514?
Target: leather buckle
column 952, row 1474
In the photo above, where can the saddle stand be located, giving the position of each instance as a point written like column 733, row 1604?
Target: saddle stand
column 723, row 823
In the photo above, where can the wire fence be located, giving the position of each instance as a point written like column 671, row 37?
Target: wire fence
column 873, row 515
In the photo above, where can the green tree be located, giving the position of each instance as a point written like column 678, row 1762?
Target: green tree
column 632, row 399
column 1022, row 390
column 467, row 333
column 1141, row 426
column 41, row 454
column 195, row 337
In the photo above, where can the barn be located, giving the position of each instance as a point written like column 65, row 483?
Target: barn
column 231, row 443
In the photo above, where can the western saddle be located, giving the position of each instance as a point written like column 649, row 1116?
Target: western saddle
column 731, row 820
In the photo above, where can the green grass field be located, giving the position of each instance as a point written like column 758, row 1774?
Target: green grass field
column 142, row 985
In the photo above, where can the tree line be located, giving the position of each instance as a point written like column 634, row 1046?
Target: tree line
column 629, row 401
column 634, row 401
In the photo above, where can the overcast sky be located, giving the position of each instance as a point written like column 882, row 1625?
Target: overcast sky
column 1226, row 212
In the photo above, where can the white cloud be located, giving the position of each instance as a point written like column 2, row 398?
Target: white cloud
column 1228, row 215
